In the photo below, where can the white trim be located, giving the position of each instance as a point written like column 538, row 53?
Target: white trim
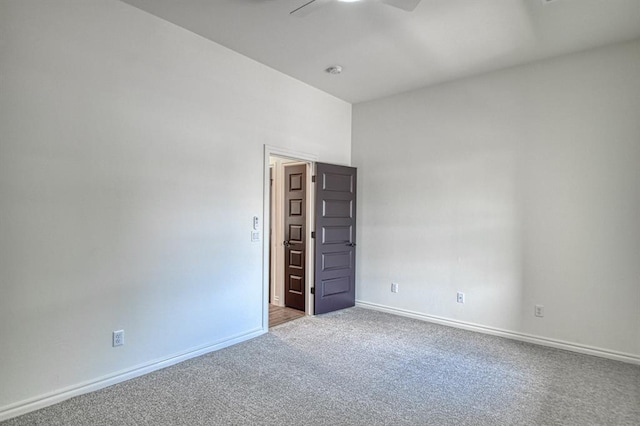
column 276, row 246
column 270, row 150
column 523, row 337
column 273, row 234
column 50, row 398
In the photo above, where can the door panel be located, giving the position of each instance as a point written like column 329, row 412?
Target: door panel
column 294, row 235
column 338, row 260
column 336, row 286
column 336, row 234
column 337, row 208
column 335, row 237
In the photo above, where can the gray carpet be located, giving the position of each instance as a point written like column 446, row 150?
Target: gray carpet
column 362, row 367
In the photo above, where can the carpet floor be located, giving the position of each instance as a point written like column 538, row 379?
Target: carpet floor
column 362, row 367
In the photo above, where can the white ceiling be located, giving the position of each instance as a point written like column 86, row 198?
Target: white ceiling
column 385, row 50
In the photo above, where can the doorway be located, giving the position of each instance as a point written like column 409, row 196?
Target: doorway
column 322, row 223
column 290, row 251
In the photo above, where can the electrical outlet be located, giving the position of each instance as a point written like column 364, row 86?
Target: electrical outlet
column 460, row 297
column 539, row 311
column 394, row 287
column 118, row 338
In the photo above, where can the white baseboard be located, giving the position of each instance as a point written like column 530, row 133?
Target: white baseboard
column 538, row 340
column 32, row 404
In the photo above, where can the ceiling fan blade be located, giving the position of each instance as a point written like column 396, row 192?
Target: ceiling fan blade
column 407, row 5
column 308, row 7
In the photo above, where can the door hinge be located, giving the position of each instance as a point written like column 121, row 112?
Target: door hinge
column 313, row 234
column 313, row 290
column 313, row 178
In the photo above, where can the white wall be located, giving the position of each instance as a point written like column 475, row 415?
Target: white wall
column 518, row 187
column 131, row 165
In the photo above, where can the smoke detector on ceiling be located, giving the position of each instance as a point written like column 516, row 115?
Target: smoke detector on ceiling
column 334, row 70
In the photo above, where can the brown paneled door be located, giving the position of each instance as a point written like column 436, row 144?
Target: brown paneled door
column 335, row 242
column 295, row 217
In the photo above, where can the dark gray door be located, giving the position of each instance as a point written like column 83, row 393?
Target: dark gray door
column 295, row 204
column 335, row 242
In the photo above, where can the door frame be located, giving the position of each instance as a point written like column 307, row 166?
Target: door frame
column 277, row 211
column 310, row 159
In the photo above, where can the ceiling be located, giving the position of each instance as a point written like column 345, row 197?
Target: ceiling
column 385, row 50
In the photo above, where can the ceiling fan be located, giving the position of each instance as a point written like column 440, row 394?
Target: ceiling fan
column 313, row 5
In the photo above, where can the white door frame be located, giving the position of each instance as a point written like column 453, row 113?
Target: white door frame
column 266, row 215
